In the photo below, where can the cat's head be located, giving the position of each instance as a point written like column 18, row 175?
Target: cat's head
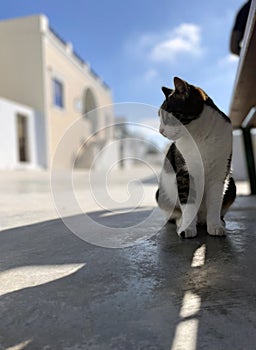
column 181, row 106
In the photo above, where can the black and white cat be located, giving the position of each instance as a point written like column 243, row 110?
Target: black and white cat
column 196, row 186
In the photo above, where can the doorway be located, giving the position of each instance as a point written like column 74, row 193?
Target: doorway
column 89, row 109
column 22, row 133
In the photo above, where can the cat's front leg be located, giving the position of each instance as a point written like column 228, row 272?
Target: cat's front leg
column 186, row 225
column 213, row 204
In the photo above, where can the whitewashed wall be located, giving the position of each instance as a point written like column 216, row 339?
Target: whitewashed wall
column 9, row 154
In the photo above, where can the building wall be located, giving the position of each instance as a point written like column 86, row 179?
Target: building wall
column 81, row 89
column 30, row 56
column 21, row 66
column 9, row 154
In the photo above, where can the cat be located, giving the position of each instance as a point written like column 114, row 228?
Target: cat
column 196, row 185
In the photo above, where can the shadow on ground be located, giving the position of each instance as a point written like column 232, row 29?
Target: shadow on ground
column 128, row 298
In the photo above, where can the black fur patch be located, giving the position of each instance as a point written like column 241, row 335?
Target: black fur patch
column 157, row 195
column 172, row 158
column 228, row 165
column 184, row 105
column 182, row 178
column 229, row 195
column 187, row 104
column 175, row 162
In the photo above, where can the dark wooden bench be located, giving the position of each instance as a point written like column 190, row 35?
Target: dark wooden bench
column 243, row 102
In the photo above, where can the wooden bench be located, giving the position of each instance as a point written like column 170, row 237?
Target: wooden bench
column 243, row 103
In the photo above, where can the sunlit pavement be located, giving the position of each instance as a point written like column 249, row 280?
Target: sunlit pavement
column 59, row 292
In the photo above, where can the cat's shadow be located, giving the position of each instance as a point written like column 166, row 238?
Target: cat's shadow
column 185, row 248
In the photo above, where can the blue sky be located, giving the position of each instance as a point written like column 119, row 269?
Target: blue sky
column 118, row 38
column 138, row 46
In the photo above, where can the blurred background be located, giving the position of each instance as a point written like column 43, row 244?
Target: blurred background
column 81, row 71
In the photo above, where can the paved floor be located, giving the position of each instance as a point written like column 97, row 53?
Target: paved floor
column 59, row 292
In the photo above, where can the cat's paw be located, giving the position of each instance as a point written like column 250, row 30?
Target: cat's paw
column 188, row 233
column 216, row 230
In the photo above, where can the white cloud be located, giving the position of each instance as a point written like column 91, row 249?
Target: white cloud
column 229, row 60
column 168, row 46
column 184, row 39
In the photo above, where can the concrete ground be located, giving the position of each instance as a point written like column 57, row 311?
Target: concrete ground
column 60, row 292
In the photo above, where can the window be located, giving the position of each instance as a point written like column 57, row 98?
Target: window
column 58, row 93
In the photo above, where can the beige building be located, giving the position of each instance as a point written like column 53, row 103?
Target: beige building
column 42, row 72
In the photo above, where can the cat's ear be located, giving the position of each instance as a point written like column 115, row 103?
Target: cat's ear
column 166, row 91
column 180, row 85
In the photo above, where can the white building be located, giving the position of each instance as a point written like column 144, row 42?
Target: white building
column 44, row 88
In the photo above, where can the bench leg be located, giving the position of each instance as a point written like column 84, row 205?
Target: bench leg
column 249, row 153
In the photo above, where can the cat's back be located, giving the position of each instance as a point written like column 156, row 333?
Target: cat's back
column 211, row 132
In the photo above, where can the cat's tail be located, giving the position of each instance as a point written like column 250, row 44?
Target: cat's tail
column 157, row 195
column 229, row 195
